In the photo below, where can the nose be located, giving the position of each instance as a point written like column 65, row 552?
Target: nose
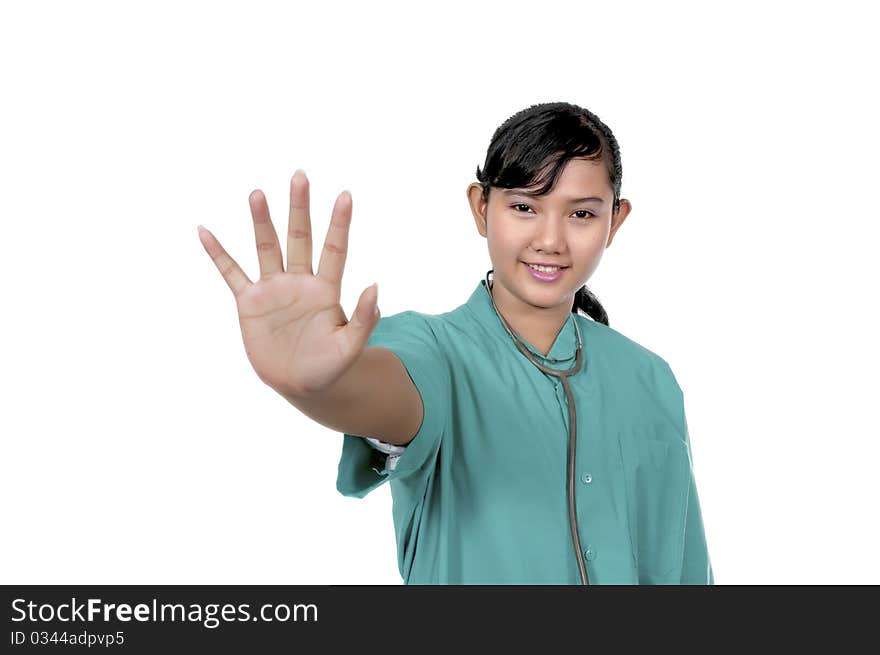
column 548, row 235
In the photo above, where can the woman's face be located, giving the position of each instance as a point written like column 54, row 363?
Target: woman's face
column 570, row 226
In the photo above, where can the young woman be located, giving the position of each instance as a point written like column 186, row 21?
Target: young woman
column 524, row 443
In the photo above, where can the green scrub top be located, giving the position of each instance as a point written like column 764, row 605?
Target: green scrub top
column 479, row 496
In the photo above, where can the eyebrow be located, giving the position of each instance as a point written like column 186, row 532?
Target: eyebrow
column 512, row 192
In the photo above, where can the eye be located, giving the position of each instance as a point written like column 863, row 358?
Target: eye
column 579, row 211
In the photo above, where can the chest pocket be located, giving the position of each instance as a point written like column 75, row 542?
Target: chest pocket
column 656, row 469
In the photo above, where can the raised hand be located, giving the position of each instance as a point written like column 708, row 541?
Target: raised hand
column 295, row 332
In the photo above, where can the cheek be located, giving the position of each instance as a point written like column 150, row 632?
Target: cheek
column 596, row 246
column 591, row 256
column 502, row 239
column 589, row 249
column 594, row 242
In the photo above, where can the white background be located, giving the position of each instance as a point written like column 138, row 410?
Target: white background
column 138, row 445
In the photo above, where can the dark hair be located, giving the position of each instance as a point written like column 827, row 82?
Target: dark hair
column 531, row 140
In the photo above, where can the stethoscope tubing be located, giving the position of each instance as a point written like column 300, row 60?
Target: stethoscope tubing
column 572, row 425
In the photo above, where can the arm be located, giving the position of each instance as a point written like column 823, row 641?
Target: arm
column 375, row 397
column 696, row 565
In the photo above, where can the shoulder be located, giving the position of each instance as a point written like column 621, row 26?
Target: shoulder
column 408, row 321
column 410, row 331
column 435, row 327
column 617, row 344
column 611, row 348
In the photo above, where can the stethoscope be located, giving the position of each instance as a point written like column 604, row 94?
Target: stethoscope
column 572, row 422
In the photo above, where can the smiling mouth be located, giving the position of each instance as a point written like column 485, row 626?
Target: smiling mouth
column 557, row 268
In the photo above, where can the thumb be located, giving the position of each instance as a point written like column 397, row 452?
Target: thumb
column 366, row 314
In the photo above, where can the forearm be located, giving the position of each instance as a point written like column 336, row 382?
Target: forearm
column 374, row 398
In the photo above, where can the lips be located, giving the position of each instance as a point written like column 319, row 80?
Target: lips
column 544, row 277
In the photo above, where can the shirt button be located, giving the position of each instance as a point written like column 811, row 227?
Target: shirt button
column 586, row 478
column 589, row 553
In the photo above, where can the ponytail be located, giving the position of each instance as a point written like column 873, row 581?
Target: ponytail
column 585, row 301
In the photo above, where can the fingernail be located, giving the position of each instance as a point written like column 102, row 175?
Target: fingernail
column 298, row 171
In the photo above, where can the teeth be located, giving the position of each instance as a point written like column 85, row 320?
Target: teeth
column 545, row 269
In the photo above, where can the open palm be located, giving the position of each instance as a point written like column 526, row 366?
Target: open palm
column 295, row 332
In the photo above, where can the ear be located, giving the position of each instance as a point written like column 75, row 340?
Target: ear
column 618, row 218
column 478, row 206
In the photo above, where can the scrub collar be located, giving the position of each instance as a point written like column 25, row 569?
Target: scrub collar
column 564, row 348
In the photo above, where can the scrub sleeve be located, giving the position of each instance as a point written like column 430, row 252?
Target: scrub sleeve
column 362, row 467
column 696, row 566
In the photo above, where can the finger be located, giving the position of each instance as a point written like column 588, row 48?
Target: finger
column 268, row 248
column 231, row 272
column 299, row 226
column 363, row 320
column 336, row 245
